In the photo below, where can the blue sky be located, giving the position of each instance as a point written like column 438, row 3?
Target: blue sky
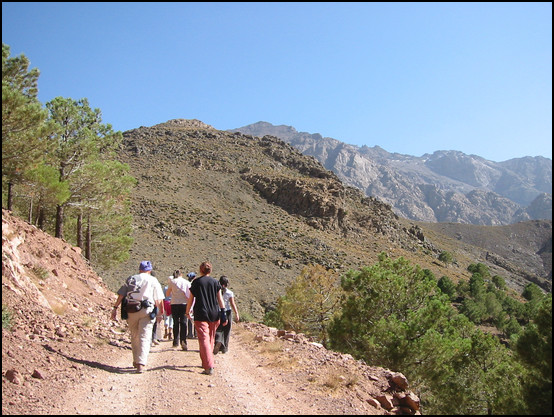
column 412, row 78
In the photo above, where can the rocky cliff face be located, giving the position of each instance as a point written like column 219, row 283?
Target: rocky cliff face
column 447, row 186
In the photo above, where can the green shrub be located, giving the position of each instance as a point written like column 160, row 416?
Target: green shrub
column 6, row 318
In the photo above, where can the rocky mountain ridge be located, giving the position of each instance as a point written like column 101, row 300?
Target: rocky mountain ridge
column 446, row 186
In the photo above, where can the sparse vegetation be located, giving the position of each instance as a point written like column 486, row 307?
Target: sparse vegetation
column 58, row 308
column 40, row 272
column 446, row 257
column 246, row 316
column 6, row 318
column 88, row 321
column 335, row 378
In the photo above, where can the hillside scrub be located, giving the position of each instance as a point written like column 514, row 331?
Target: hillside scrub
column 393, row 314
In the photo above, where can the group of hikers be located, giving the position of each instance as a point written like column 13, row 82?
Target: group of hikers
column 201, row 305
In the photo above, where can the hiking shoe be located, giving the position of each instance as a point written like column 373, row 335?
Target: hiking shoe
column 208, row 371
column 184, row 346
column 217, row 347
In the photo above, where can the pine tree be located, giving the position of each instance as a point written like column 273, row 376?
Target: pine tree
column 43, row 189
column 102, row 189
column 534, row 348
column 395, row 316
column 81, row 139
column 24, row 121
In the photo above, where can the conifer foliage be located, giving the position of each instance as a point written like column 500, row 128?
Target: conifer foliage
column 397, row 315
column 24, row 122
column 59, row 167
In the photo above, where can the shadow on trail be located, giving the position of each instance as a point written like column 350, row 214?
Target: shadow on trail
column 180, row 356
column 94, row 364
column 180, row 368
column 172, row 349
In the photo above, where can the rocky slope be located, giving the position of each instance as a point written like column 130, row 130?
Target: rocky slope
column 521, row 251
column 446, row 186
column 58, row 308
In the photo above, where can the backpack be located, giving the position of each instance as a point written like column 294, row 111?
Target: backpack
column 132, row 305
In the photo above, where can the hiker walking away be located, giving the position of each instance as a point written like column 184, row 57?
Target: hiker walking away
column 157, row 327
column 209, row 308
column 168, row 318
column 141, row 297
column 223, row 332
column 179, row 291
column 190, row 324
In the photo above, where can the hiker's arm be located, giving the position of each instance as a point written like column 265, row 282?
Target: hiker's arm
column 160, row 305
column 223, row 314
column 117, row 304
column 189, row 305
column 220, row 300
column 235, row 309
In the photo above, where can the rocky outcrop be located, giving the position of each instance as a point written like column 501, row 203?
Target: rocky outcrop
column 321, row 202
column 35, row 271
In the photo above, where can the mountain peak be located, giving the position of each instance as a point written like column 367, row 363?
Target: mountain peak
column 265, row 128
column 185, row 123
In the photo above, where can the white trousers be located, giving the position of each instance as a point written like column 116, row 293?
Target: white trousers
column 140, row 326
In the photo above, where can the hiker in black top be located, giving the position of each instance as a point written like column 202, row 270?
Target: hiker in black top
column 190, row 325
column 208, row 309
column 223, row 333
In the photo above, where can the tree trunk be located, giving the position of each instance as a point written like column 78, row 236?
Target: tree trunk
column 30, row 211
column 41, row 217
column 88, row 250
column 80, row 230
column 59, row 221
column 10, row 196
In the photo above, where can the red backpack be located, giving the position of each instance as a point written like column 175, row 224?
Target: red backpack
column 167, row 307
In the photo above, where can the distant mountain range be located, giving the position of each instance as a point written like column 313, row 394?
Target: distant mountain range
column 446, row 186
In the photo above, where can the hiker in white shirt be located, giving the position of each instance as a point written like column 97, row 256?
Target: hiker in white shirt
column 145, row 292
column 179, row 291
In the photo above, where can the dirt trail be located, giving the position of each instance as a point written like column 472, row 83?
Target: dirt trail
column 174, row 384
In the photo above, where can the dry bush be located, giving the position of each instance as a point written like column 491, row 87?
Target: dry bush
column 335, row 379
